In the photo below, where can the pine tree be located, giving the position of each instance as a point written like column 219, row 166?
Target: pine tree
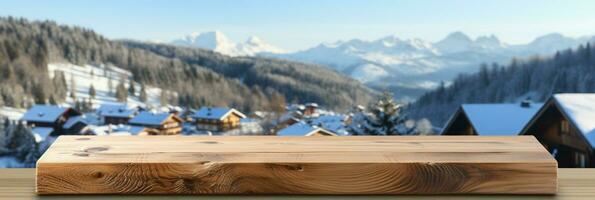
column 110, row 85
column 163, row 97
column 131, row 89
column 121, row 93
column 72, row 88
column 21, row 141
column 92, row 91
column 143, row 93
column 53, row 100
column 60, row 88
column 277, row 103
column 385, row 118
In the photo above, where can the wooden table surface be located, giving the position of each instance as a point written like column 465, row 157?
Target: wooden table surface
column 296, row 165
column 574, row 184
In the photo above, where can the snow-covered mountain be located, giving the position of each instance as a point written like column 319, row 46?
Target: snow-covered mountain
column 220, row 43
column 414, row 65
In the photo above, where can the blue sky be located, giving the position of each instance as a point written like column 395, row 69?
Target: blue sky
column 298, row 24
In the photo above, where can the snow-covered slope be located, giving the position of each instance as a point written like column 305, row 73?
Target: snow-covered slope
column 400, row 62
column 220, row 43
column 100, row 77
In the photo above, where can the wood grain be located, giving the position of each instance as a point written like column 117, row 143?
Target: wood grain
column 296, row 165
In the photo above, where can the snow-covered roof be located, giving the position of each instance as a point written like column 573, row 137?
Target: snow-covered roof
column 580, row 110
column 333, row 123
column 41, row 133
column 301, row 129
column 44, row 113
column 149, row 118
column 217, row 113
column 499, row 119
column 72, row 121
column 115, row 110
column 328, row 118
column 293, row 115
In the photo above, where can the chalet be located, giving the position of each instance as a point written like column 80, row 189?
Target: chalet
column 116, row 113
column 163, row 123
column 75, row 125
column 310, row 109
column 335, row 123
column 289, row 118
column 565, row 126
column 303, row 129
column 54, row 117
column 217, row 119
column 490, row 119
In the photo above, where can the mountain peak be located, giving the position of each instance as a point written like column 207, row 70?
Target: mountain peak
column 455, row 42
column 489, row 42
column 550, row 37
column 255, row 40
column 457, row 35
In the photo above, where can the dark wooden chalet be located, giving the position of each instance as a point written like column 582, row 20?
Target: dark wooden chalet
column 116, row 113
column 565, row 126
column 53, row 120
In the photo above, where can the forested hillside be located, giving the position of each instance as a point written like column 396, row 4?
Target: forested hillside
column 199, row 77
column 537, row 78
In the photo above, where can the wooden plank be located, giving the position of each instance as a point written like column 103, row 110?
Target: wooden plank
column 296, row 165
column 573, row 184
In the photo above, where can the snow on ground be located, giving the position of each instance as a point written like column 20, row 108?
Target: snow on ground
column 368, row 73
column 11, row 113
column 99, row 76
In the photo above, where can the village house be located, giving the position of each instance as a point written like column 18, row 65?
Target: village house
column 289, row 118
column 162, row 123
column 116, row 113
column 490, row 119
column 335, row 123
column 565, row 126
column 217, row 118
column 46, row 120
column 310, row 109
column 303, row 129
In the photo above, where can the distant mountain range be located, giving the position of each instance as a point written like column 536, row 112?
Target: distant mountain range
column 408, row 67
column 220, row 43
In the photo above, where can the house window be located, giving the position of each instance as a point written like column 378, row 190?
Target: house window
column 564, row 127
column 580, row 160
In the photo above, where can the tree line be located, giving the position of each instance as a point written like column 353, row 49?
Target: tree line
column 535, row 78
column 197, row 77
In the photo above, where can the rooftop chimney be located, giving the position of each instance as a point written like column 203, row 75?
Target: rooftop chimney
column 526, row 103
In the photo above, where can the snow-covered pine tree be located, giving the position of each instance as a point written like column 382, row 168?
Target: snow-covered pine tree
column 131, row 89
column 92, row 92
column 384, row 118
column 121, row 92
column 21, row 141
column 72, row 88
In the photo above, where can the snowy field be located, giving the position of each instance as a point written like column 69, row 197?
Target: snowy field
column 100, row 76
column 11, row 113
